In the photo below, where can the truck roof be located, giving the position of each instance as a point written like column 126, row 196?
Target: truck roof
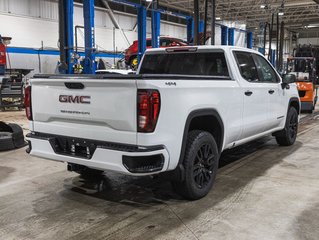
column 205, row 47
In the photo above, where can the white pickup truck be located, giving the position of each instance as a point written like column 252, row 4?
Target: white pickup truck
column 179, row 112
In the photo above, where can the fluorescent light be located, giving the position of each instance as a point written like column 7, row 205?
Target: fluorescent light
column 262, row 6
column 281, row 13
column 218, row 18
column 149, row 0
column 312, row 26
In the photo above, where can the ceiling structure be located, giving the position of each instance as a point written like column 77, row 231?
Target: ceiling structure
column 299, row 15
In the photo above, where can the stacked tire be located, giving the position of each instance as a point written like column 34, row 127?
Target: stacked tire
column 6, row 141
column 11, row 137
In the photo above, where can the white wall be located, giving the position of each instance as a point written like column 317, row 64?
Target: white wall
column 312, row 41
column 32, row 23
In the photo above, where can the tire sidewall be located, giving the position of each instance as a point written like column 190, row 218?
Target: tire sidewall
column 292, row 113
column 201, row 139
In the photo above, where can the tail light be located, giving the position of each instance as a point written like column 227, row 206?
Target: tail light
column 148, row 108
column 2, row 54
column 27, row 102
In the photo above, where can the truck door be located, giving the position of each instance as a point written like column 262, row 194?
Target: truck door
column 276, row 109
column 255, row 95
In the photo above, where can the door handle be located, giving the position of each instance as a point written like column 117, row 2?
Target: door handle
column 271, row 91
column 248, row 93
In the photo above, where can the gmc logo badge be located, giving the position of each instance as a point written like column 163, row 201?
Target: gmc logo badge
column 75, row 99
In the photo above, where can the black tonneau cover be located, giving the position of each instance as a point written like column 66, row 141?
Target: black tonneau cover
column 129, row 76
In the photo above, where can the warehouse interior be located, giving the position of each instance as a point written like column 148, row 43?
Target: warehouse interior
column 262, row 190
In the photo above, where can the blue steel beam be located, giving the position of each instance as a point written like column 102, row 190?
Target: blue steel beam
column 224, row 35
column 141, row 31
column 273, row 57
column 156, row 29
column 231, row 36
column 163, row 11
column 89, row 40
column 201, row 26
column 249, row 40
column 190, row 29
column 261, row 50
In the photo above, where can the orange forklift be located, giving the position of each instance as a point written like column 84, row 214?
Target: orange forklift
column 305, row 65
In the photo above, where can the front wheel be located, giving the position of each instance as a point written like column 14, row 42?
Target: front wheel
column 200, row 164
column 288, row 136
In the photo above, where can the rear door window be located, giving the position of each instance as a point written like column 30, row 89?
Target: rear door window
column 246, row 65
column 186, row 63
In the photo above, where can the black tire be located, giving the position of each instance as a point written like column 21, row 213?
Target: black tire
column 17, row 135
column 200, row 164
column 17, row 131
column 288, row 136
column 5, row 127
column 6, row 142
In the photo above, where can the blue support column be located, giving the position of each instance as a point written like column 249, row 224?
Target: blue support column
column 141, row 30
column 249, row 40
column 224, row 35
column 201, row 26
column 89, row 40
column 261, row 50
column 156, row 28
column 190, row 29
column 231, row 36
column 70, row 33
column 273, row 57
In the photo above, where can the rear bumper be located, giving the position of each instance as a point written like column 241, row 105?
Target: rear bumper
column 126, row 159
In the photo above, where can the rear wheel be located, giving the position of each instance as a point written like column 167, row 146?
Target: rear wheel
column 200, row 164
column 288, row 136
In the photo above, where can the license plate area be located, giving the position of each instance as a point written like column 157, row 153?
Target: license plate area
column 73, row 147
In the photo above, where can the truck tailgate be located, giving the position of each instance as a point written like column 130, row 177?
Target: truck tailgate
column 103, row 110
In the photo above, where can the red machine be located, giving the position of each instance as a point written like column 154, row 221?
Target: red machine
column 165, row 42
column 3, row 55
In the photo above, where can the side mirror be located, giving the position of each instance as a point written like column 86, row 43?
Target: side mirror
column 287, row 79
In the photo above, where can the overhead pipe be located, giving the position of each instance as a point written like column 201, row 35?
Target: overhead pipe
column 213, row 22
column 205, row 22
column 196, row 22
column 271, row 28
column 265, row 35
column 76, row 37
column 115, row 22
column 281, row 45
column 277, row 43
column 62, row 36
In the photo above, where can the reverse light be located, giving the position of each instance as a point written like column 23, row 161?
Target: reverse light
column 27, row 103
column 148, row 108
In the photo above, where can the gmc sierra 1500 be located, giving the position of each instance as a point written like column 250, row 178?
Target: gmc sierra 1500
column 169, row 117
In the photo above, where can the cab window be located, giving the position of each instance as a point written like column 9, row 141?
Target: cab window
column 247, row 66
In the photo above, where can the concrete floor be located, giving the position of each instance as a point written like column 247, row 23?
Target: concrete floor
column 263, row 191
